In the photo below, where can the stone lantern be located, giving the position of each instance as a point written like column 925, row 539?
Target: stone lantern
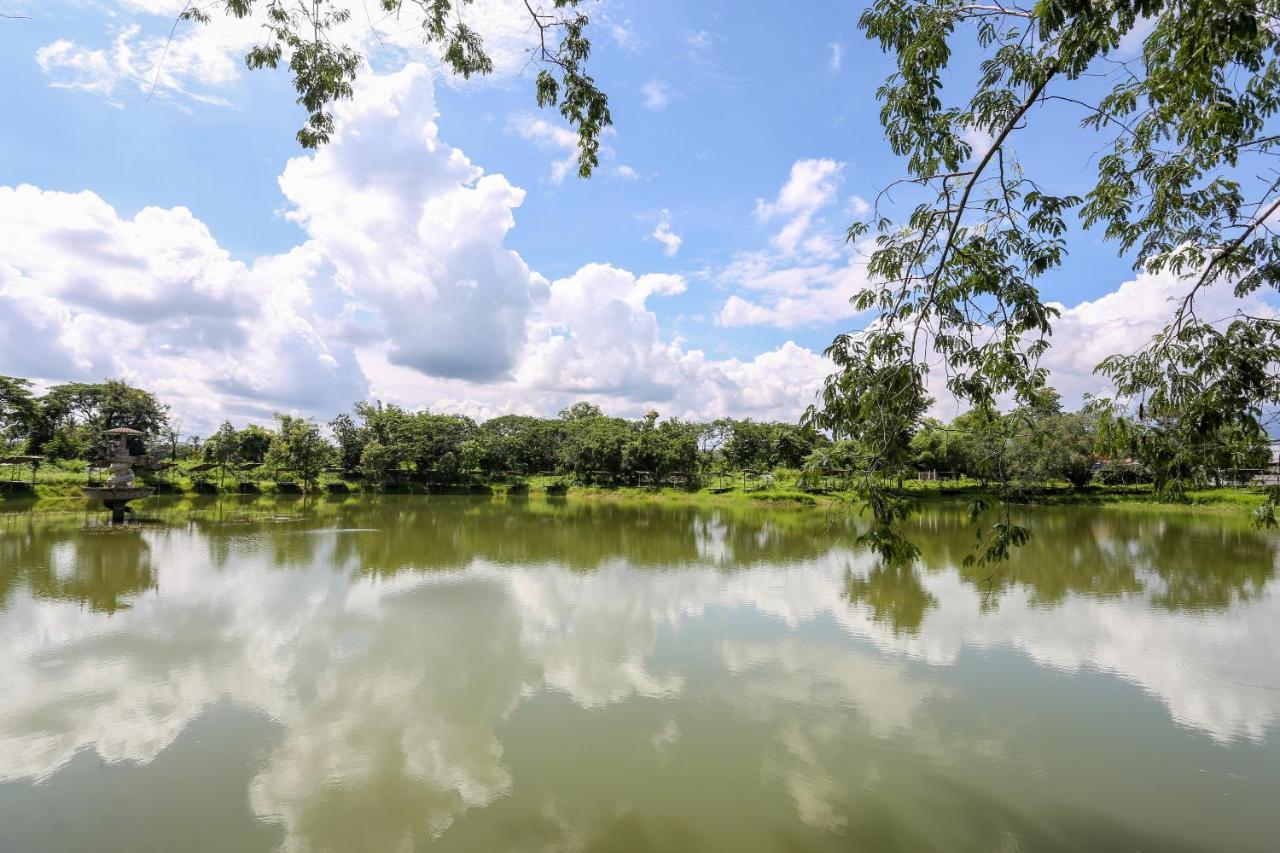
column 119, row 488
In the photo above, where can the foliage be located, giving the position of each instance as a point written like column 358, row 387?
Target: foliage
column 579, row 410
column 299, row 448
column 662, row 450
column 1121, row 472
column 592, row 450
column 223, row 449
column 1179, row 451
column 18, row 409
column 350, row 444
column 70, row 419
column 1048, row 444
column 935, row 447
column 377, row 461
column 518, row 443
column 1180, row 183
column 302, row 34
column 255, row 442
column 875, row 400
column 763, row 446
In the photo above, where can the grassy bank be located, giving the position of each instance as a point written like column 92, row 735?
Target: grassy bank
column 60, row 488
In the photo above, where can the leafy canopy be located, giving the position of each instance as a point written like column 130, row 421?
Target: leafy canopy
column 1183, row 182
column 302, row 35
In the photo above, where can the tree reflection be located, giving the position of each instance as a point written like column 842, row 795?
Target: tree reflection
column 1177, row 562
column 894, row 593
column 101, row 569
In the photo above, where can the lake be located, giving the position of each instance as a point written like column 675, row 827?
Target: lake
column 463, row 674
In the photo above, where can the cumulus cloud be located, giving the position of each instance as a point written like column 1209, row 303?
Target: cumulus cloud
column 404, row 288
column 662, row 232
column 772, row 292
column 415, row 232
column 811, row 186
column 154, row 299
column 1124, row 320
column 808, row 274
column 597, row 337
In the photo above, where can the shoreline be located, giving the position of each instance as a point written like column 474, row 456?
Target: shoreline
column 65, row 498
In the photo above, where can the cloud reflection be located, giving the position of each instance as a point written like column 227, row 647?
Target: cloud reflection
column 391, row 661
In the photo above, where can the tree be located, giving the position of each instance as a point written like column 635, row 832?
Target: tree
column 1176, row 450
column 1181, row 137
column 255, row 442
column 172, row 435
column 18, row 409
column 223, row 449
column 519, row 443
column 662, row 450
column 72, row 417
column 433, row 443
column 593, row 447
column 875, row 402
column 579, row 410
column 377, row 461
column 351, row 440
column 302, row 34
column 1050, row 446
column 934, row 447
column 299, row 447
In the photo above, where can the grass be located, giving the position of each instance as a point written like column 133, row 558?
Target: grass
column 59, row 487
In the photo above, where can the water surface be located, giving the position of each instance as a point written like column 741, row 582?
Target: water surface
column 478, row 675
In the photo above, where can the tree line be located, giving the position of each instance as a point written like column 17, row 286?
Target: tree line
column 385, row 444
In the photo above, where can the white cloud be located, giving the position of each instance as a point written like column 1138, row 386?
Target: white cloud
column 626, row 172
column 154, row 299
column 449, row 283
column 622, row 32
column 811, row 186
column 657, row 94
column 201, row 61
column 773, row 293
column 836, row 57
column 556, row 137
column 403, row 288
column 596, row 337
column 193, row 65
column 699, row 42
column 809, row 275
column 980, row 141
column 1122, row 321
column 669, row 239
column 1131, row 42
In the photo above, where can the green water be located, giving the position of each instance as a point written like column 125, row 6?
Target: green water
column 478, row 675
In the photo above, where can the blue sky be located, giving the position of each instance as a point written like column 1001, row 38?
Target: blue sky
column 733, row 124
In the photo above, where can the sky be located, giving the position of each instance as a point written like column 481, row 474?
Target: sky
column 162, row 225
